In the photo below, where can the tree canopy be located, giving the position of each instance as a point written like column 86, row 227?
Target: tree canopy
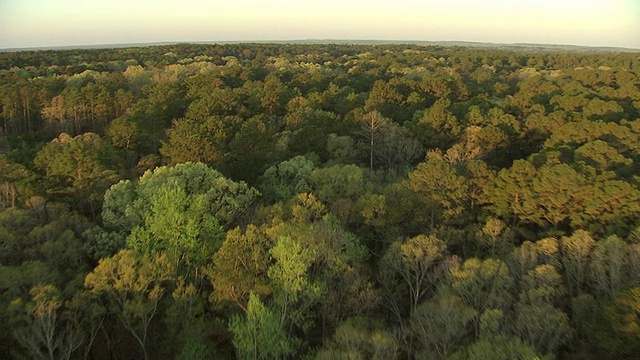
column 287, row 201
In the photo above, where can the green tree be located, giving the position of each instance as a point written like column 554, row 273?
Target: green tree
column 240, row 266
column 396, row 149
column 286, row 179
column 44, row 336
column 624, row 314
column 440, row 324
column 294, row 291
column 339, row 187
column 360, row 338
column 481, row 284
column 188, row 324
column 417, row 264
column 16, row 184
column 608, row 268
column 537, row 319
column 308, row 130
column 318, row 280
column 341, row 150
column 494, row 344
column 610, row 207
column 576, row 250
column 124, row 133
column 440, row 191
column 182, row 211
column 384, row 98
column 132, row 287
column 252, row 149
column 179, row 225
column 82, row 167
column 437, row 127
column 410, row 272
column 601, row 156
column 128, row 203
column 336, row 182
column 542, row 285
column 543, row 326
column 197, row 141
column 259, row 335
column 529, row 255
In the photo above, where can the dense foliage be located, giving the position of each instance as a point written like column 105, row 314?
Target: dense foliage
column 319, row 201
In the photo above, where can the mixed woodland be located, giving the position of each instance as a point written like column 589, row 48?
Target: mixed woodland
column 274, row 201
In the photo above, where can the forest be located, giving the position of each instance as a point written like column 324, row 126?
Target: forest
column 319, row 201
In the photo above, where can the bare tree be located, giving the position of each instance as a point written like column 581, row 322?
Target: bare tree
column 371, row 122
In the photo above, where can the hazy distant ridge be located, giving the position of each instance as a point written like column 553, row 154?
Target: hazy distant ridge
column 516, row 47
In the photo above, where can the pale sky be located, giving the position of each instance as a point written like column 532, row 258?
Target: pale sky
column 35, row 23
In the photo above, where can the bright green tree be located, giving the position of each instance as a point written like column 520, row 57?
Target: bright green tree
column 129, row 202
column 259, row 334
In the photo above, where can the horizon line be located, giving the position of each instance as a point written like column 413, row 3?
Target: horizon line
column 461, row 43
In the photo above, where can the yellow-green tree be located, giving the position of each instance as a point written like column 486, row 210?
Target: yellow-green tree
column 132, row 287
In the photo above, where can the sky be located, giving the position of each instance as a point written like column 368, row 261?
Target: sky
column 48, row 23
